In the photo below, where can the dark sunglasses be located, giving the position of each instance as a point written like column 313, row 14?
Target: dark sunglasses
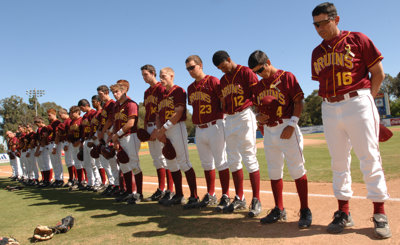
column 322, row 22
column 190, row 68
column 260, row 70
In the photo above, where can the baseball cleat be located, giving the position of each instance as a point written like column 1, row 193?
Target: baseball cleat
column 114, row 192
column 133, row 198
column 106, row 190
column 175, row 200
column 255, row 208
column 305, row 218
column 235, row 205
column 192, row 203
column 273, row 216
column 167, row 196
column 381, row 226
column 224, row 202
column 208, row 200
column 123, row 197
column 340, row 221
column 157, row 195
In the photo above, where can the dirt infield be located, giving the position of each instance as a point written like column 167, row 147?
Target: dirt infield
column 322, row 204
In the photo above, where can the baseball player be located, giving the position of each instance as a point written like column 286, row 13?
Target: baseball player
column 43, row 152
column 31, row 164
column 348, row 68
column 124, row 136
column 107, row 121
column 95, row 125
column 22, row 149
column 56, row 148
column 150, row 102
column 74, row 136
column 240, row 129
column 282, row 136
column 88, row 161
column 210, row 138
column 62, row 132
column 171, row 123
column 12, row 142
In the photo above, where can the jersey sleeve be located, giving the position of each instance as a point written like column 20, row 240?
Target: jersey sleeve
column 180, row 97
column 131, row 109
column 370, row 54
column 295, row 90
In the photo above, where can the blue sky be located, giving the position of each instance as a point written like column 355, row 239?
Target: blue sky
column 68, row 48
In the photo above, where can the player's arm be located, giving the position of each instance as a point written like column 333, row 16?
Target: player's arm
column 176, row 116
column 377, row 76
column 127, row 126
column 298, row 108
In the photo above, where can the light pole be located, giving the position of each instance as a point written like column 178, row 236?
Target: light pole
column 35, row 94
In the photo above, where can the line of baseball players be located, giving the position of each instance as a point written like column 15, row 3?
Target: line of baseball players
column 226, row 113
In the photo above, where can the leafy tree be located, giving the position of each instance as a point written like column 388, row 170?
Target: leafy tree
column 312, row 110
column 395, row 108
column 14, row 112
column 2, row 148
column 391, row 85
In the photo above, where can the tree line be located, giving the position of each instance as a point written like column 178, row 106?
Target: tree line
column 14, row 111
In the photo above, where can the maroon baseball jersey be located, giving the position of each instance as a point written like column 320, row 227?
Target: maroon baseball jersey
column 75, row 130
column 86, row 119
column 13, row 144
column 203, row 96
column 170, row 99
column 341, row 64
column 151, row 96
column 107, row 112
column 123, row 112
column 62, row 129
column 284, row 87
column 21, row 142
column 43, row 135
column 95, row 123
column 52, row 127
column 236, row 89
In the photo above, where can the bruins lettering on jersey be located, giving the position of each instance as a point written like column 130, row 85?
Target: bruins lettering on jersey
column 333, row 58
column 232, row 89
column 198, row 95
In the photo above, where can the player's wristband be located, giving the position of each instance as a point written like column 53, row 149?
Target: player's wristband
column 120, row 132
column 168, row 125
column 293, row 121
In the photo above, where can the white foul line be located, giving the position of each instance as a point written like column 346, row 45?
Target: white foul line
column 265, row 192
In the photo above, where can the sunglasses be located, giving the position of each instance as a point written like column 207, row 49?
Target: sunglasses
column 322, row 22
column 190, row 68
column 260, row 70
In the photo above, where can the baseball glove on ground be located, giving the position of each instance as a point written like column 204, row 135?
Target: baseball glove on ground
column 107, row 151
column 8, row 241
column 65, row 225
column 80, row 154
column 42, row 233
column 143, row 135
column 384, row 133
column 122, row 156
column 168, row 150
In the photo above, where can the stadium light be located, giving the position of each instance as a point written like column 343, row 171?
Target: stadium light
column 34, row 93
